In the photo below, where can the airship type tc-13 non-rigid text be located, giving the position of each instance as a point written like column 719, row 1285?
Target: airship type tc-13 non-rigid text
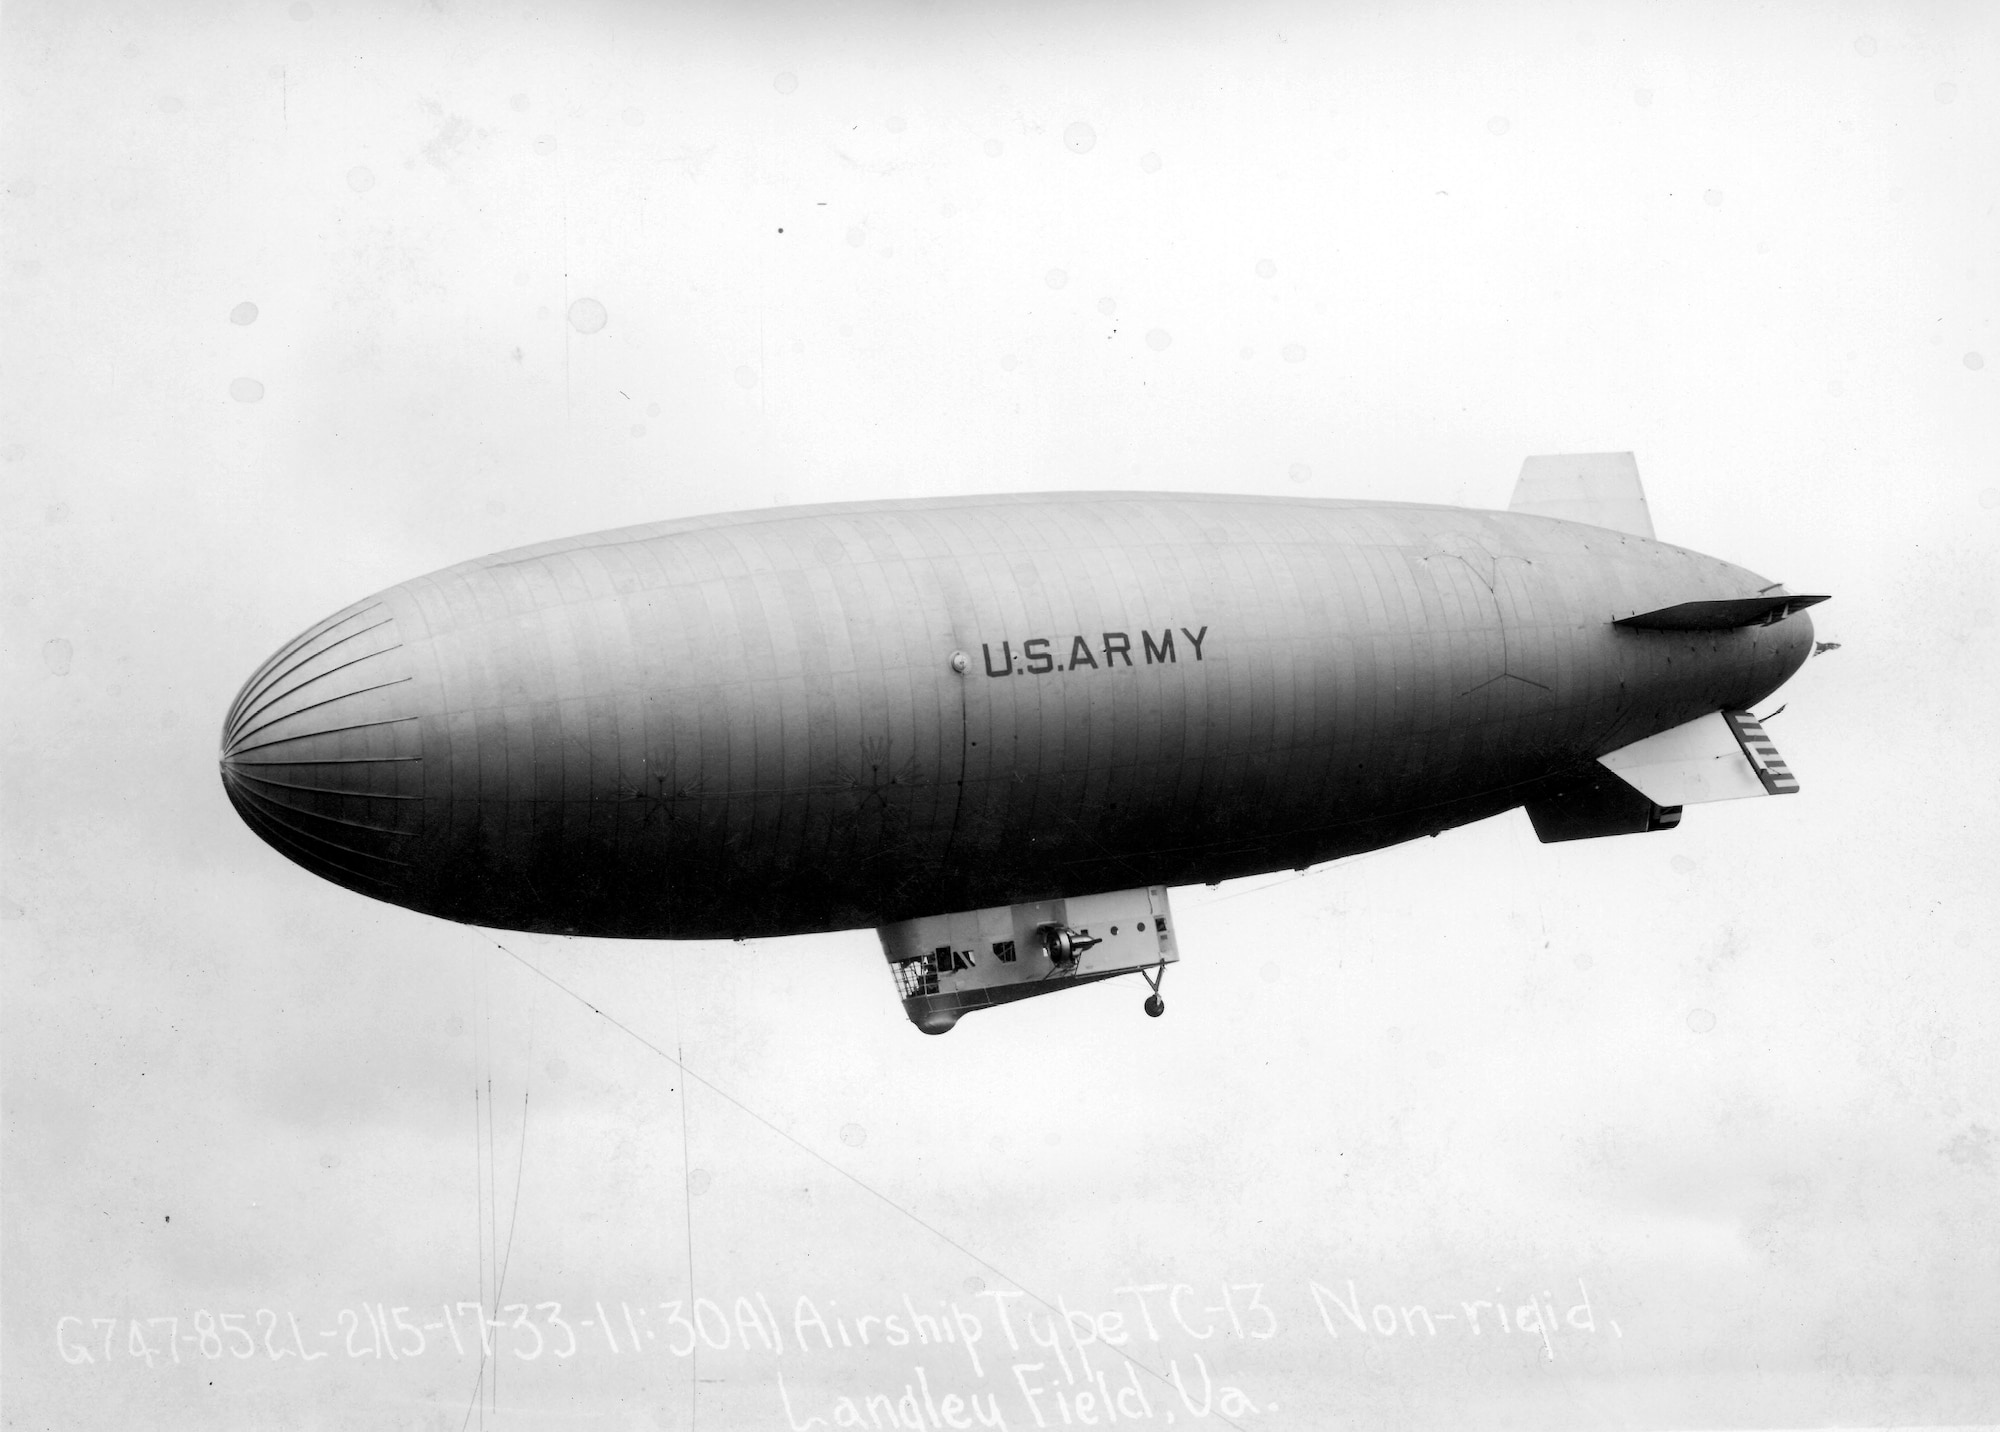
column 998, row 729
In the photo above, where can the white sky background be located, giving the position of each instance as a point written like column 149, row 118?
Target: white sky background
column 1739, row 1078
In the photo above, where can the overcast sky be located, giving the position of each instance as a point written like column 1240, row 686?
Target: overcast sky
column 306, row 299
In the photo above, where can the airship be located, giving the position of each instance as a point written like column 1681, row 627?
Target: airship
column 999, row 730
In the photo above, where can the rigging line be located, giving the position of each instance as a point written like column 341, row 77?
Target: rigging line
column 475, row 1400
column 479, row 1237
column 485, row 1017
column 514, row 1213
column 687, row 1200
column 490, row 1393
column 481, row 1145
column 482, row 1025
column 808, row 1149
column 507, row 1258
column 492, row 1215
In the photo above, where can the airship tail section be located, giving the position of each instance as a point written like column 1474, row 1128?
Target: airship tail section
column 945, row 965
column 1600, row 488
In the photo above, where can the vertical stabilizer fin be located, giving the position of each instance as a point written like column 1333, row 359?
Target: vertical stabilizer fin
column 1601, row 488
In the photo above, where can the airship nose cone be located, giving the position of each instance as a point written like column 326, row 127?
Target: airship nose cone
column 322, row 751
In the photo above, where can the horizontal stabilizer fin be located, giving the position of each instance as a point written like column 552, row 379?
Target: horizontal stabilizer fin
column 1601, row 488
column 1719, row 757
column 1721, row 615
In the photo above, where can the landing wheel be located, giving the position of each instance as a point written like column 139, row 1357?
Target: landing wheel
column 1155, row 1006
